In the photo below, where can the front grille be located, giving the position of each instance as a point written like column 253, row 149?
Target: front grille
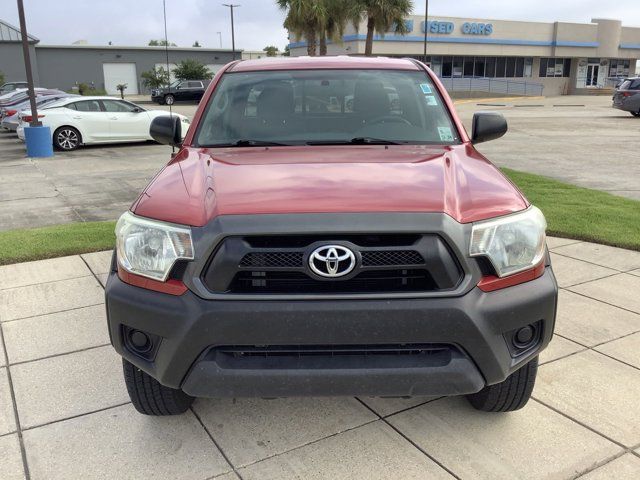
column 272, row 260
column 276, row 265
column 391, row 257
column 375, row 281
column 331, row 356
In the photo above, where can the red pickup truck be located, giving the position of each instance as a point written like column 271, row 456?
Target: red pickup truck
column 327, row 227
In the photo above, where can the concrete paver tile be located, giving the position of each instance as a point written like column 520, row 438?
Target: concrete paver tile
column 534, row 442
column 597, row 391
column 374, row 451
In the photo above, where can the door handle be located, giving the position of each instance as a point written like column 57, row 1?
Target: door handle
column 77, row 118
column 113, row 118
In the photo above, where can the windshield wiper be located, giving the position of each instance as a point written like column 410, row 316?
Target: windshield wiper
column 356, row 141
column 248, row 143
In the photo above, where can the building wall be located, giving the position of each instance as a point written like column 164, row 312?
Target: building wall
column 63, row 67
column 12, row 63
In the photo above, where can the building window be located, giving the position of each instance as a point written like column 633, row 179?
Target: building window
column 501, row 62
column 447, row 64
column 468, row 67
column 618, row 67
column 479, row 67
column 555, row 67
column 490, row 67
column 457, row 67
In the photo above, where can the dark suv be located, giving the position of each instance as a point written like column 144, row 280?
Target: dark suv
column 327, row 227
column 179, row 91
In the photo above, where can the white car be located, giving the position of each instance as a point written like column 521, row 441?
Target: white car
column 79, row 121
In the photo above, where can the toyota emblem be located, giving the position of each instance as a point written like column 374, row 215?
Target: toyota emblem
column 332, row 261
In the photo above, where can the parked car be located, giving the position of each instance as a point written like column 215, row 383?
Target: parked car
column 87, row 120
column 180, row 90
column 19, row 96
column 11, row 86
column 627, row 96
column 287, row 253
column 10, row 116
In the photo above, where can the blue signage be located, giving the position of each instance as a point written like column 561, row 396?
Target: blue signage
column 468, row 28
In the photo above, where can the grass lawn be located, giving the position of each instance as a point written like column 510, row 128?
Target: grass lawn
column 572, row 212
column 582, row 213
column 56, row 241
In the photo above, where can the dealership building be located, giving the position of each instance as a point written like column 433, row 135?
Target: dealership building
column 563, row 58
column 104, row 67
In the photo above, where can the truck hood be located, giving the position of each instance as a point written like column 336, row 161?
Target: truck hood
column 200, row 184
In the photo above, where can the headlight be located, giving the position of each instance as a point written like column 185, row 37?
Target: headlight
column 150, row 248
column 513, row 243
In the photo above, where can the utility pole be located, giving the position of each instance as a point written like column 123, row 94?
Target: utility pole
column 426, row 27
column 233, row 35
column 27, row 66
column 220, row 38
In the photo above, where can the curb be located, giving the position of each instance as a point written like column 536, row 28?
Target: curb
column 495, row 99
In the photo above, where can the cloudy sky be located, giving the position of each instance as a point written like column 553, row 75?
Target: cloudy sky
column 258, row 22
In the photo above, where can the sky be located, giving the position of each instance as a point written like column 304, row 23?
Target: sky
column 257, row 22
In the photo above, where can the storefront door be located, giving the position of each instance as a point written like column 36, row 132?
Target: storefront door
column 592, row 75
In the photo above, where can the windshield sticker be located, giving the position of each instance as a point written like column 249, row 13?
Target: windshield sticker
column 431, row 100
column 426, row 88
column 445, row 134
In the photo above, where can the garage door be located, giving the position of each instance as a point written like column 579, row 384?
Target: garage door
column 117, row 73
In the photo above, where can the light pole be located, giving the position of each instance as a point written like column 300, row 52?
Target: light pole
column 27, row 66
column 426, row 25
column 220, row 38
column 233, row 35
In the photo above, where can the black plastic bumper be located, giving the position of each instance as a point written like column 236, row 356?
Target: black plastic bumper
column 475, row 326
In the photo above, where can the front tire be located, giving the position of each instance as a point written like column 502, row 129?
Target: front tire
column 66, row 138
column 511, row 394
column 169, row 99
column 635, row 114
column 150, row 397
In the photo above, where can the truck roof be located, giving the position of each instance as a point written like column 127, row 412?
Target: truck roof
column 324, row 62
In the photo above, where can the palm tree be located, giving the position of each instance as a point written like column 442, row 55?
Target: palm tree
column 382, row 16
column 338, row 14
column 305, row 18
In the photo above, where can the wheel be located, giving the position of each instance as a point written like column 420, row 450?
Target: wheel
column 635, row 114
column 510, row 395
column 150, row 397
column 169, row 99
column 66, row 138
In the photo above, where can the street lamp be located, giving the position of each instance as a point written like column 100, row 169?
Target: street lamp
column 233, row 35
column 426, row 16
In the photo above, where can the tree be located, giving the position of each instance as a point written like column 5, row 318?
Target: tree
column 318, row 21
column 1, row 78
column 271, row 50
column 121, row 87
column 196, row 44
column 382, row 16
column 191, row 69
column 305, row 18
column 155, row 78
column 287, row 51
column 161, row 43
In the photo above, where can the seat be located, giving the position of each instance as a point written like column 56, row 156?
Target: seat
column 370, row 100
column 274, row 108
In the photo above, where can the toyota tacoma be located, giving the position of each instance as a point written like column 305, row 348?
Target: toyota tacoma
column 327, row 227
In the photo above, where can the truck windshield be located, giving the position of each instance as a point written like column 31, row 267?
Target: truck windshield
column 301, row 107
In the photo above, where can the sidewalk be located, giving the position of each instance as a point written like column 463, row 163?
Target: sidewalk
column 65, row 413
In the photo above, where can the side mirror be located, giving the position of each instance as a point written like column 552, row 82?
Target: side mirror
column 487, row 126
column 136, row 110
column 167, row 130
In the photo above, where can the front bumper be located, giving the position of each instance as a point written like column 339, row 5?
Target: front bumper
column 189, row 330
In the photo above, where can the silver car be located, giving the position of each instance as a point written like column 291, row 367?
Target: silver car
column 627, row 96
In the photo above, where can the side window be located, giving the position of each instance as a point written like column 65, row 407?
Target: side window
column 117, row 106
column 195, row 84
column 635, row 85
column 71, row 106
column 88, row 106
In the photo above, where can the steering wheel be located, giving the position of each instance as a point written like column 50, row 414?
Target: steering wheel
column 390, row 119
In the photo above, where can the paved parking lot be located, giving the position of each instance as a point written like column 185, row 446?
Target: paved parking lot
column 591, row 145
column 65, row 413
